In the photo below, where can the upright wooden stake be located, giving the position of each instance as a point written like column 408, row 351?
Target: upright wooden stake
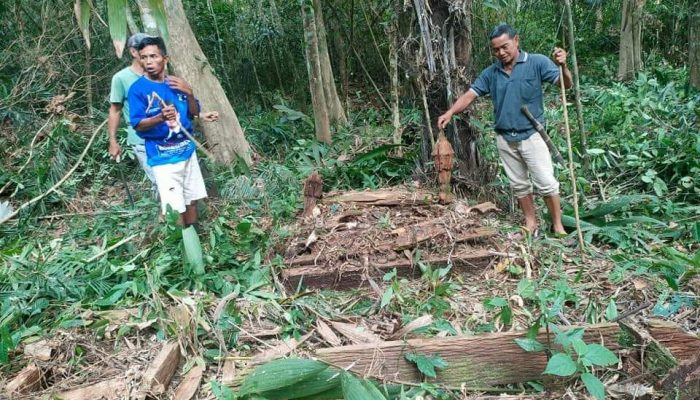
column 572, row 175
column 577, row 87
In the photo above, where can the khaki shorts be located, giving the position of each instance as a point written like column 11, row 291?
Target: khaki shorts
column 528, row 157
column 179, row 184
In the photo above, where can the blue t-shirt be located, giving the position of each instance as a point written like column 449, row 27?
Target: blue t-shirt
column 164, row 144
column 510, row 92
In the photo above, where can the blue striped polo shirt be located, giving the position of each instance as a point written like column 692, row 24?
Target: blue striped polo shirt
column 510, row 92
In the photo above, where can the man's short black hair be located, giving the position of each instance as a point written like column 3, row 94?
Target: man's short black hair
column 501, row 29
column 153, row 41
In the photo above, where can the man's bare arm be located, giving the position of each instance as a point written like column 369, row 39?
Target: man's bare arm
column 115, row 113
column 460, row 105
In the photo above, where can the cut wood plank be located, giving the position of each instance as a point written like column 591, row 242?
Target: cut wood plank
column 484, row 360
column 28, row 380
column 383, row 198
column 42, row 350
column 189, row 385
column 657, row 358
column 158, row 375
column 111, row 389
column 322, row 277
column 411, row 236
column 681, row 344
column 228, row 373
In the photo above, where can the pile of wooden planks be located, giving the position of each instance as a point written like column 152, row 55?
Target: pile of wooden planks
column 358, row 236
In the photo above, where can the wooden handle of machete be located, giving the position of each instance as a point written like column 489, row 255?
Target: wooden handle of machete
column 555, row 152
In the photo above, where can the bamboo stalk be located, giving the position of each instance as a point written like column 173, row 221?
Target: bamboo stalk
column 572, row 174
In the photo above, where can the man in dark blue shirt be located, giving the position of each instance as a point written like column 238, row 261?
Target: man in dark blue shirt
column 513, row 81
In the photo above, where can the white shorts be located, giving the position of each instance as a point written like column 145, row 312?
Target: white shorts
column 179, row 184
column 530, row 156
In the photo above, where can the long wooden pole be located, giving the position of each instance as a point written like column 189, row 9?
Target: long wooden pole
column 572, row 174
column 577, row 87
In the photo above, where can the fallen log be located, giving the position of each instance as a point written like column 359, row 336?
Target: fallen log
column 115, row 388
column 158, row 375
column 383, row 198
column 28, row 380
column 476, row 361
column 351, row 276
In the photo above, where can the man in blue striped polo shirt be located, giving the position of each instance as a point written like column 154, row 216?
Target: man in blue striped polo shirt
column 513, row 81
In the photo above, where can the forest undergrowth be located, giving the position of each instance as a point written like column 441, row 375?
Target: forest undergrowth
column 90, row 247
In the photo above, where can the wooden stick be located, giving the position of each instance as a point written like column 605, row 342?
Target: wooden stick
column 206, row 152
column 572, row 174
column 110, row 248
column 59, row 183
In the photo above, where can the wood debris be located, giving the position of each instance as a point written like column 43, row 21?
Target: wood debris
column 189, row 385
column 28, row 380
column 115, row 388
column 359, row 236
column 158, row 375
column 42, row 350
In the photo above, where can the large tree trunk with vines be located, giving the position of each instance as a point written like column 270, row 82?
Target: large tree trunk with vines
column 694, row 41
column 630, row 39
column 336, row 114
column 446, row 42
column 313, row 66
column 225, row 138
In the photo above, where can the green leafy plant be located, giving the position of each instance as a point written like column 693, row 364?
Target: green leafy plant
column 578, row 358
column 427, row 364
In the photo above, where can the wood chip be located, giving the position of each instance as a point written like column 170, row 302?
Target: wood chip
column 28, row 380
column 355, row 333
column 420, row 322
column 189, row 385
column 327, row 333
column 157, row 378
column 42, row 350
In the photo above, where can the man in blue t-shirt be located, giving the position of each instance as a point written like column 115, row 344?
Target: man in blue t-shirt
column 513, row 81
column 161, row 111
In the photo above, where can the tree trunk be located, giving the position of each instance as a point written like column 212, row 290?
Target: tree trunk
column 336, row 114
column 149, row 22
column 313, row 66
column 599, row 18
column 225, row 138
column 449, row 44
column 630, row 39
column 694, row 42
